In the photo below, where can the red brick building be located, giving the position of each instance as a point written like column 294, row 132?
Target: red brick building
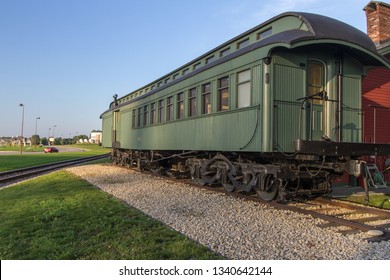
column 376, row 85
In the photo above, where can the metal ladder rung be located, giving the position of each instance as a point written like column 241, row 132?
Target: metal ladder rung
column 371, row 181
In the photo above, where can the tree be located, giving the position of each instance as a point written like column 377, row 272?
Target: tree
column 35, row 139
column 58, row 141
column 44, row 141
column 78, row 137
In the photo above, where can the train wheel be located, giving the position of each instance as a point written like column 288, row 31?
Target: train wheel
column 225, row 179
column 208, row 176
column 228, row 187
column 267, row 187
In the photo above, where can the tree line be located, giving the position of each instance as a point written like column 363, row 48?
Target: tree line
column 36, row 140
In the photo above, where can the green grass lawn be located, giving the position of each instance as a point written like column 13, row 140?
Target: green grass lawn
column 376, row 200
column 15, row 161
column 60, row 216
column 25, row 148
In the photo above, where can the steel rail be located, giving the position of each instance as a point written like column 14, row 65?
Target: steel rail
column 337, row 221
column 17, row 174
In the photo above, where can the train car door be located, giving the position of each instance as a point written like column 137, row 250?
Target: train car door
column 315, row 107
column 115, row 128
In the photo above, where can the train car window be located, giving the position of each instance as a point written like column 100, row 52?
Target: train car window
column 197, row 66
column 206, row 98
column 134, row 118
column 170, row 108
column 315, row 80
column 244, row 89
column 243, row 44
column 263, row 34
column 146, row 112
column 153, row 113
column 210, row 59
column 223, row 94
column 224, row 52
column 185, row 71
column 192, row 102
column 160, row 111
column 139, row 117
column 180, row 105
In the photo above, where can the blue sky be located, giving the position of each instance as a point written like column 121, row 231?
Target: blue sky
column 64, row 59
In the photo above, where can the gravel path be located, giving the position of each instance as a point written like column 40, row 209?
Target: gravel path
column 234, row 228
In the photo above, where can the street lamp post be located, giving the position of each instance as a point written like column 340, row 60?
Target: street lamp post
column 21, row 134
column 36, row 136
column 54, row 139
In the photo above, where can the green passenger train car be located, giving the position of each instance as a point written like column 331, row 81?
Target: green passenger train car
column 276, row 109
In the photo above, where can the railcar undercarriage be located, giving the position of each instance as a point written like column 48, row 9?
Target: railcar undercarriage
column 271, row 176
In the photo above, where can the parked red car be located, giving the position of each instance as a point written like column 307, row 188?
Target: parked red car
column 51, row 150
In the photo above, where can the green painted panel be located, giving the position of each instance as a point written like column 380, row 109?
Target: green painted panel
column 352, row 127
column 107, row 130
column 223, row 131
column 288, row 87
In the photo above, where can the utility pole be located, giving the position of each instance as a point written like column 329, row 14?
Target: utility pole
column 36, row 136
column 21, row 137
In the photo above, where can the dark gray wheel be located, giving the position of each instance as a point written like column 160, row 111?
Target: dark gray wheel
column 267, row 187
column 228, row 187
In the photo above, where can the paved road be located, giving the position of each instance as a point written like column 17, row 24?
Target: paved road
column 61, row 149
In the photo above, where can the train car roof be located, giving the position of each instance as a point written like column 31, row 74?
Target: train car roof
column 328, row 31
column 337, row 32
column 318, row 29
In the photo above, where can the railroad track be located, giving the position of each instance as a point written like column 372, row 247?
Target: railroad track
column 348, row 218
column 12, row 176
column 345, row 217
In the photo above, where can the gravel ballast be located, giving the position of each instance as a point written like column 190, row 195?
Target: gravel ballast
column 234, row 228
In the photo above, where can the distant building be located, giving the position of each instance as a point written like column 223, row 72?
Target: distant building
column 16, row 142
column 5, row 141
column 96, row 137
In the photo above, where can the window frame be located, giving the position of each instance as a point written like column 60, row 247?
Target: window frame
column 192, row 97
column 170, row 112
column 152, row 113
column 206, row 94
column 221, row 91
column 264, row 33
column 180, row 105
column 160, row 112
column 134, row 118
column 243, row 43
column 241, row 83
column 139, row 117
column 225, row 52
column 145, row 115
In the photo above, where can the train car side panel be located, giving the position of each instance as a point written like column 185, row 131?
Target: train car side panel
column 107, row 129
column 289, row 85
column 233, row 131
